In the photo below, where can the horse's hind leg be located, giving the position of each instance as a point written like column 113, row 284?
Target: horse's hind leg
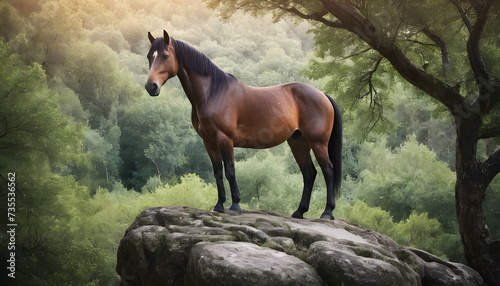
column 301, row 152
column 321, row 152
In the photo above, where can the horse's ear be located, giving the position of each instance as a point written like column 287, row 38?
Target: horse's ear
column 151, row 38
column 166, row 37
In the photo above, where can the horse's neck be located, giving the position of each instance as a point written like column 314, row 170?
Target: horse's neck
column 195, row 86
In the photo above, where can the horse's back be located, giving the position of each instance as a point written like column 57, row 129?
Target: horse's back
column 268, row 116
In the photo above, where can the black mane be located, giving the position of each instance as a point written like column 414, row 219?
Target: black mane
column 191, row 58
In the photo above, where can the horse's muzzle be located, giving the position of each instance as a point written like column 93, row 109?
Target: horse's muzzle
column 153, row 89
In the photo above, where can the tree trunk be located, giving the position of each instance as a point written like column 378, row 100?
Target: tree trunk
column 481, row 251
column 107, row 174
column 157, row 169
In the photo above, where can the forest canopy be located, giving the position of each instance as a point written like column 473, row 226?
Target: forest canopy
column 91, row 150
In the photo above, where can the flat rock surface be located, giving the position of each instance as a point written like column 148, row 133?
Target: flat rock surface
column 242, row 263
column 189, row 246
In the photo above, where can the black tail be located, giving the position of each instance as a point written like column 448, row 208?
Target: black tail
column 335, row 147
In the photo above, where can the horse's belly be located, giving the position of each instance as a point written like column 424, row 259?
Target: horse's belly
column 266, row 123
column 263, row 136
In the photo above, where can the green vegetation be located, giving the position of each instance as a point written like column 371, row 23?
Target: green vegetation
column 91, row 150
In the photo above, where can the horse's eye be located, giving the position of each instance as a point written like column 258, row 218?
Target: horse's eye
column 165, row 57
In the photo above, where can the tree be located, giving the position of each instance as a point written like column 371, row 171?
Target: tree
column 417, row 231
column 405, row 180
column 445, row 48
column 11, row 22
column 36, row 141
column 161, row 130
column 267, row 184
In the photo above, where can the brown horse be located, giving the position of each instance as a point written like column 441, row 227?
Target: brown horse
column 227, row 113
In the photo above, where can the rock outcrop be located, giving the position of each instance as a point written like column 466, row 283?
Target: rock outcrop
column 188, row 246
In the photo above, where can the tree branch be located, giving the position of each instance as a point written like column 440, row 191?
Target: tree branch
column 463, row 14
column 491, row 132
column 5, row 95
column 422, row 43
column 489, row 88
column 368, row 78
column 473, row 49
column 314, row 16
column 355, row 54
column 491, row 167
column 445, row 56
column 5, row 133
column 352, row 20
column 356, row 23
column 376, row 106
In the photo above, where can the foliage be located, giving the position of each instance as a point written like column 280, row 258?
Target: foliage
column 36, row 141
column 410, row 179
column 418, row 230
column 491, row 210
column 265, row 182
column 164, row 132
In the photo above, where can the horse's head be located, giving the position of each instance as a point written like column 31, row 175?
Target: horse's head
column 162, row 63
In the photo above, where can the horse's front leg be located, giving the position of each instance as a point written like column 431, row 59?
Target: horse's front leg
column 226, row 148
column 216, row 159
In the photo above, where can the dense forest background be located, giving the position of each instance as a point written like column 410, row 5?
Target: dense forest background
column 90, row 149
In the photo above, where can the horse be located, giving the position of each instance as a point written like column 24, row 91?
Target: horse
column 227, row 113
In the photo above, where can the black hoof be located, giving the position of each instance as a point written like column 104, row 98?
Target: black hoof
column 327, row 216
column 298, row 214
column 234, row 210
column 218, row 210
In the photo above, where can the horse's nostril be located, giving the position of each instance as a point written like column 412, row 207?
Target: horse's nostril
column 152, row 89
